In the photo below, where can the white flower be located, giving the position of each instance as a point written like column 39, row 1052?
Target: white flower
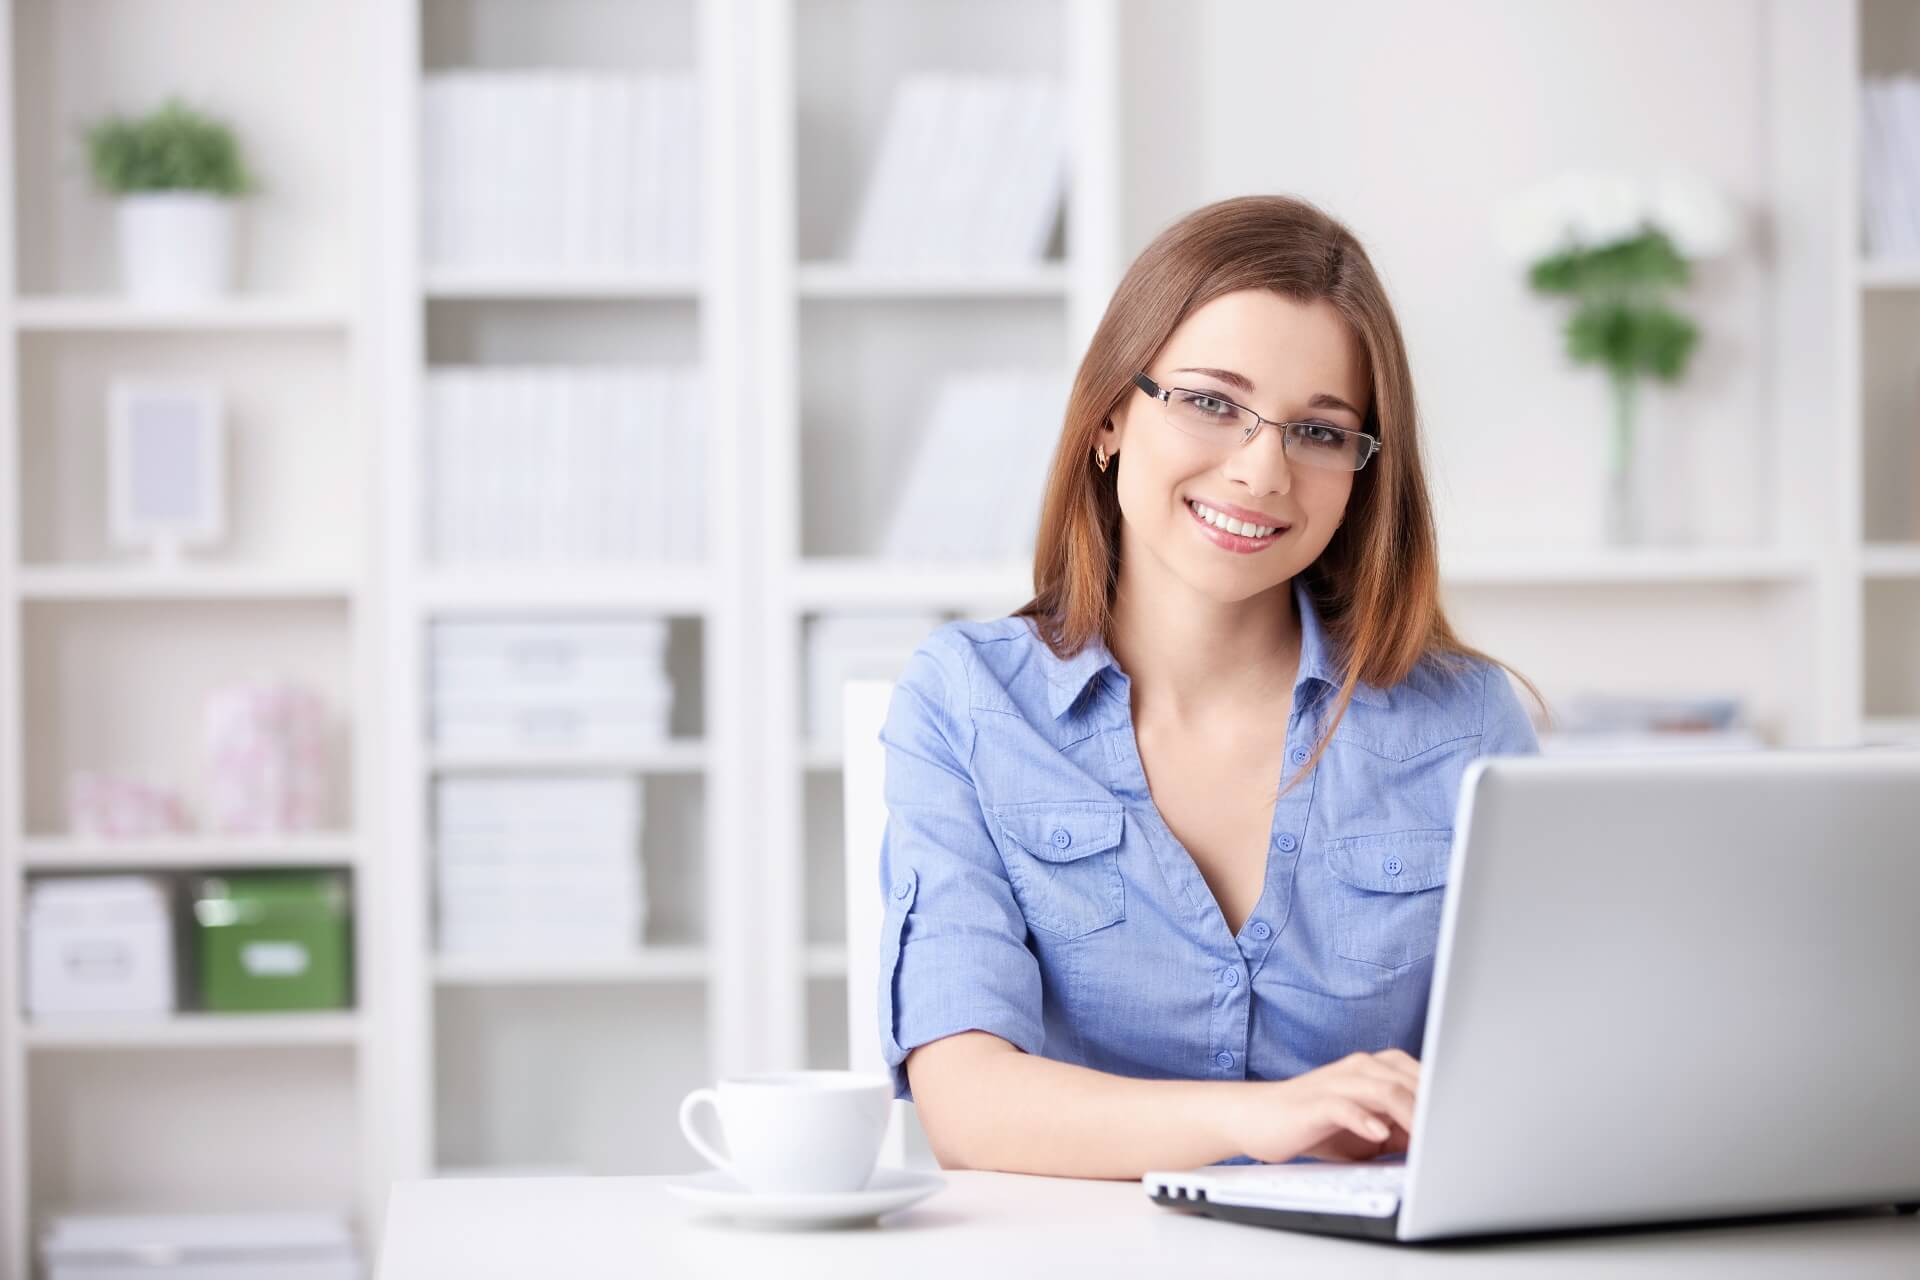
column 1694, row 216
column 1590, row 210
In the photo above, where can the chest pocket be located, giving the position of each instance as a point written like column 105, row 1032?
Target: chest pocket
column 1063, row 861
column 1388, row 892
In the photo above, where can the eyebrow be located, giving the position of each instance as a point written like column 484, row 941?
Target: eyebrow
column 1320, row 400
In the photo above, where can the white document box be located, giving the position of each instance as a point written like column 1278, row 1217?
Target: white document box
column 186, row 1246
column 98, row 945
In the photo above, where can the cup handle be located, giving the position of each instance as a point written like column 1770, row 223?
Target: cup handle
column 688, row 1105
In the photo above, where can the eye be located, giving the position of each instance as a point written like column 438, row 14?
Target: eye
column 1319, row 432
column 1212, row 406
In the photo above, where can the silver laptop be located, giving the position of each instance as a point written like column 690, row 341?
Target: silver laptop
column 1668, row 988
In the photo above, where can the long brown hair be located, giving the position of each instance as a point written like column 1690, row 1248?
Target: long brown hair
column 1376, row 586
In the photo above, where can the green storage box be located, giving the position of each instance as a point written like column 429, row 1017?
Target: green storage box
column 272, row 940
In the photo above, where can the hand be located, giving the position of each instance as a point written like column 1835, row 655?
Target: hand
column 1355, row 1108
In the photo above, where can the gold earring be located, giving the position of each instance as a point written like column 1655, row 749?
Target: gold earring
column 1100, row 456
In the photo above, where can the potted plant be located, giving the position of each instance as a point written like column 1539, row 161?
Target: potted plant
column 176, row 174
column 1616, row 248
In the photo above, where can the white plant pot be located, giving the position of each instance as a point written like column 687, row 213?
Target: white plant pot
column 176, row 246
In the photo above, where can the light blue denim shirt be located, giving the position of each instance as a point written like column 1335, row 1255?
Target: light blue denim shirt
column 1033, row 890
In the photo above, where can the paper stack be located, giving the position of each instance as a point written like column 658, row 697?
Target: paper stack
column 564, row 465
column 979, row 468
column 969, row 172
column 542, row 866
column 549, row 170
column 593, row 684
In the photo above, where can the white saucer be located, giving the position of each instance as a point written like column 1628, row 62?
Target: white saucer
column 886, row 1191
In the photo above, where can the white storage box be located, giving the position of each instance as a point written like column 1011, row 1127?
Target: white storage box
column 589, row 725
column 98, row 945
column 538, row 806
column 842, row 647
column 514, row 661
column 179, row 1246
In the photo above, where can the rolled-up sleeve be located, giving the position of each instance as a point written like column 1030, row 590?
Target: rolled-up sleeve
column 953, row 949
column 1505, row 728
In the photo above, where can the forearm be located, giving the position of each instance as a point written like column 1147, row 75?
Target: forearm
column 986, row 1105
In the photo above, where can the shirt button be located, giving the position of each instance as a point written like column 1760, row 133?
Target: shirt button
column 1393, row 866
column 1223, row 1059
column 1300, row 755
column 902, row 889
column 1061, row 838
column 1287, row 842
column 1262, row 930
column 1230, row 976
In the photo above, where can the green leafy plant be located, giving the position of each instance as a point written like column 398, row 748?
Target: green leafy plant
column 172, row 148
column 1617, row 249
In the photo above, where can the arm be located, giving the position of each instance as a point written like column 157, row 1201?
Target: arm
column 986, row 1105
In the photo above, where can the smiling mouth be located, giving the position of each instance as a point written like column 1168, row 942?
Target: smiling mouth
column 1241, row 529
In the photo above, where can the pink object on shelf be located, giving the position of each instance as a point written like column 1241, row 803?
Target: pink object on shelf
column 265, row 758
column 100, row 804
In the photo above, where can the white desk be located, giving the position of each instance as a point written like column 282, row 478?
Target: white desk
column 996, row 1226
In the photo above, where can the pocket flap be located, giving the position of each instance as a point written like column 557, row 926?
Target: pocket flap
column 1392, row 861
column 1062, row 830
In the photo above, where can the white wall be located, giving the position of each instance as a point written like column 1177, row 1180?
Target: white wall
column 1409, row 121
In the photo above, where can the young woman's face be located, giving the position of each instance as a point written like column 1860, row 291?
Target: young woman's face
column 1295, row 363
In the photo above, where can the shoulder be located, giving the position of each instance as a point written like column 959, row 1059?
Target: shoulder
column 997, row 664
column 1445, row 698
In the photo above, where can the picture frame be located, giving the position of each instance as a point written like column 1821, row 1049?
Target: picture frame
column 166, row 464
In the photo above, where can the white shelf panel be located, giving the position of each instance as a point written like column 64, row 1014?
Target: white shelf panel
column 860, row 583
column 649, row 964
column 670, row 284
column 106, row 313
column 79, row 853
column 826, row 960
column 674, row 756
column 195, row 1031
column 1707, row 566
column 1890, row 273
column 821, row 757
column 856, row 582
column 1891, row 731
column 850, row 281
column 671, row 588
column 114, row 582
column 1891, row 560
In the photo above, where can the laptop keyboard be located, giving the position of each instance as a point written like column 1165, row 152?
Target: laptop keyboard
column 1367, row 1190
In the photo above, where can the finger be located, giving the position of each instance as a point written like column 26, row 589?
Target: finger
column 1382, row 1067
column 1357, row 1119
column 1391, row 1099
column 1401, row 1061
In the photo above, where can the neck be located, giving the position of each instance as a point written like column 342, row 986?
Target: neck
column 1197, row 661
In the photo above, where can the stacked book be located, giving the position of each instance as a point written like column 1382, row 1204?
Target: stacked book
column 539, row 866
column 500, row 686
column 1607, row 722
column 969, row 173
column 558, row 171
column 564, row 465
column 979, row 468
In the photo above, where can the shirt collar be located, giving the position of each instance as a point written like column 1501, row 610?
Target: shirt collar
column 1068, row 678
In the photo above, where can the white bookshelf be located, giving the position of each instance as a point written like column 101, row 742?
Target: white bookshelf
column 1881, row 327
column 107, row 659
column 506, row 1061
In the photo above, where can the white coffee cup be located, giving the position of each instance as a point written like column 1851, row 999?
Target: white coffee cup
column 795, row 1131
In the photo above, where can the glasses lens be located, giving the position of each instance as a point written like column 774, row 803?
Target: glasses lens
column 1329, row 447
column 1210, row 418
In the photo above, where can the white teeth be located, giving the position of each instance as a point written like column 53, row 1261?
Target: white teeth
column 1228, row 523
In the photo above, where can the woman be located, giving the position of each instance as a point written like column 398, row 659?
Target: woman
column 1166, row 846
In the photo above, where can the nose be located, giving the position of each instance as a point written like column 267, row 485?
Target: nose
column 1261, row 464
